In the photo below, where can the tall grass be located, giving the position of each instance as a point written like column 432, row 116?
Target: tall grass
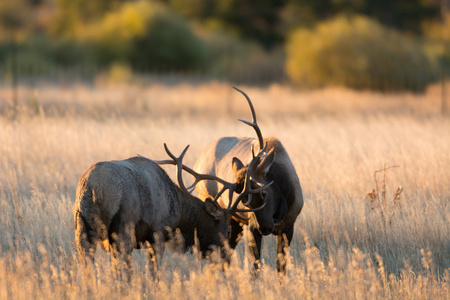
column 335, row 138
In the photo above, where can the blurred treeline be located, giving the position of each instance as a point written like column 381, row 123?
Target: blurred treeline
column 362, row 44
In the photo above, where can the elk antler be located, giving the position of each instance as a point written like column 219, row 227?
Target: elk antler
column 248, row 191
column 198, row 177
column 232, row 187
column 253, row 124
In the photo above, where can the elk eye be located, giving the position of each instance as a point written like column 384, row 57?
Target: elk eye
column 264, row 194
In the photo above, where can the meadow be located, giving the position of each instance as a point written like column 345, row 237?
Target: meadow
column 346, row 245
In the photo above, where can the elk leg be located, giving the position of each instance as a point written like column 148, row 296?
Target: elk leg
column 155, row 251
column 283, row 241
column 235, row 234
column 155, row 246
column 254, row 243
column 85, row 238
column 121, row 261
column 122, row 248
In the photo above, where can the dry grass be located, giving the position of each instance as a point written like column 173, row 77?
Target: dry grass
column 336, row 140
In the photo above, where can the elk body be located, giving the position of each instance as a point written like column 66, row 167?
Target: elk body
column 283, row 199
column 123, row 204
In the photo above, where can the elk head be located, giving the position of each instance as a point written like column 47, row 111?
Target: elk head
column 221, row 215
column 275, row 208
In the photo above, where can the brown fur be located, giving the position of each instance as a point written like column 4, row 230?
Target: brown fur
column 286, row 190
column 122, row 204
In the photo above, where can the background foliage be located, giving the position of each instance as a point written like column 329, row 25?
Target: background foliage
column 360, row 53
column 398, row 44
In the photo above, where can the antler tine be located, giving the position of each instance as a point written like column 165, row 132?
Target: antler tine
column 258, row 190
column 179, row 163
column 261, row 153
column 180, row 158
column 224, row 188
column 248, row 191
column 253, row 124
column 173, row 161
column 198, row 177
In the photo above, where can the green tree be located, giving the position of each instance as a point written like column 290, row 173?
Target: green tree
column 360, row 53
column 69, row 15
column 405, row 15
column 148, row 36
column 168, row 44
column 15, row 17
column 256, row 20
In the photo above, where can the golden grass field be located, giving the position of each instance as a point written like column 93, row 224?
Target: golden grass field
column 336, row 138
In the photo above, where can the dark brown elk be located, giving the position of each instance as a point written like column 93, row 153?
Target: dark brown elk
column 283, row 199
column 124, row 204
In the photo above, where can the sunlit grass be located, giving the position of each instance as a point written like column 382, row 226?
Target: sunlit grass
column 335, row 138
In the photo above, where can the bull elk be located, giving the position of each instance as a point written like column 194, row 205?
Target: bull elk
column 124, row 204
column 283, row 199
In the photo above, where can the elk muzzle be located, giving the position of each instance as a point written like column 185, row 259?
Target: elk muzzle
column 265, row 223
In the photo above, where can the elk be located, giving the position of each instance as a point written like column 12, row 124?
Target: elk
column 124, row 204
column 283, row 199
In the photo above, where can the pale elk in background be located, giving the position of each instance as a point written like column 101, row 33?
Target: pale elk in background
column 124, row 204
column 231, row 158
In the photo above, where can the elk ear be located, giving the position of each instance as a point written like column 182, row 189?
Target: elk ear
column 266, row 162
column 237, row 165
column 213, row 209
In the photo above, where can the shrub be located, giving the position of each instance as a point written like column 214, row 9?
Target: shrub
column 169, row 44
column 38, row 55
column 117, row 74
column 26, row 58
column 359, row 53
column 148, row 37
column 114, row 33
column 243, row 61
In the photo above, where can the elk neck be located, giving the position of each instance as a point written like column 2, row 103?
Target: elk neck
column 192, row 210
